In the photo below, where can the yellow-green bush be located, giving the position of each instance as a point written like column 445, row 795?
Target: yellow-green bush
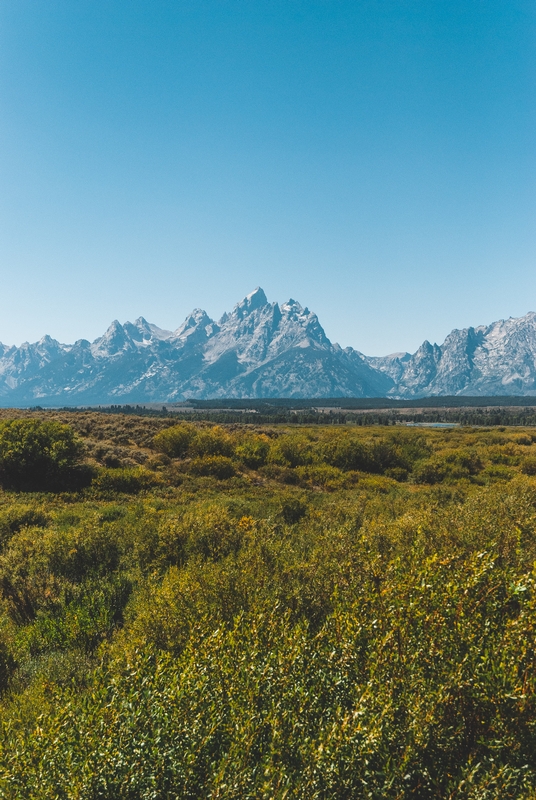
column 528, row 465
column 291, row 450
column 175, row 441
column 219, row 467
column 20, row 516
column 253, row 450
column 130, row 480
column 324, row 475
column 429, row 471
column 186, row 439
column 212, row 442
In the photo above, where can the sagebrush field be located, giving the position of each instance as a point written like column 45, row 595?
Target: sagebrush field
column 253, row 612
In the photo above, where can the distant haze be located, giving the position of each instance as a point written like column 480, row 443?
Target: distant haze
column 375, row 160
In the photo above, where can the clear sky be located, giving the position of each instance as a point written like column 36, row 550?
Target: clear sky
column 373, row 159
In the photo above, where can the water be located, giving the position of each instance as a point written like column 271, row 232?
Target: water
column 433, row 424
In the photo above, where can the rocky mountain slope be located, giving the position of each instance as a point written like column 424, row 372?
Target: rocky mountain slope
column 261, row 349
column 497, row 359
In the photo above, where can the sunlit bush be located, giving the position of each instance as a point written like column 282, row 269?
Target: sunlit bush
column 128, row 480
column 324, row 475
column 291, row 450
column 347, row 453
column 253, row 451
column 175, row 441
column 212, row 442
column 219, row 467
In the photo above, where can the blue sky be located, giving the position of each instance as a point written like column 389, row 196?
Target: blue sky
column 374, row 160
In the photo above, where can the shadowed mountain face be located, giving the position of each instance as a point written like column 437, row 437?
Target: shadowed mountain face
column 261, row 349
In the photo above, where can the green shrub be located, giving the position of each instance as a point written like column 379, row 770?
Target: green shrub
column 384, row 455
column 347, row 453
column 528, row 465
column 291, row 450
column 282, row 474
column 497, row 472
column 253, row 451
column 39, row 455
column 185, row 439
column 323, row 475
column 219, row 467
column 524, row 439
column 411, row 447
column 293, row 510
column 93, row 612
column 462, row 463
column 204, row 531
column 175, row 441
column 63, row 586
column 507, row 454
column 165, row 613
column 451, row 465
column 128, row 480
column 212, row 442
column 429, row 471
column 19, row 517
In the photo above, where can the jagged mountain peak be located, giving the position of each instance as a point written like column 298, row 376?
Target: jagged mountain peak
column 251, row 302
column 426, row 347
column 257, row 331
column 262, row 349
column 139, row 331
column 47, row 339
column 294, row 310
column 113, row 341
column 255, row 299
column 141, row 326
column 304, row 323
column 292, row 307
column 113, row 327
column 197, row 325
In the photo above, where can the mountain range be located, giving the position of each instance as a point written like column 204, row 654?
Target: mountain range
column 261, row 349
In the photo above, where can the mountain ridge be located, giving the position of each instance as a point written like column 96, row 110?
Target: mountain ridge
column 262, row 349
